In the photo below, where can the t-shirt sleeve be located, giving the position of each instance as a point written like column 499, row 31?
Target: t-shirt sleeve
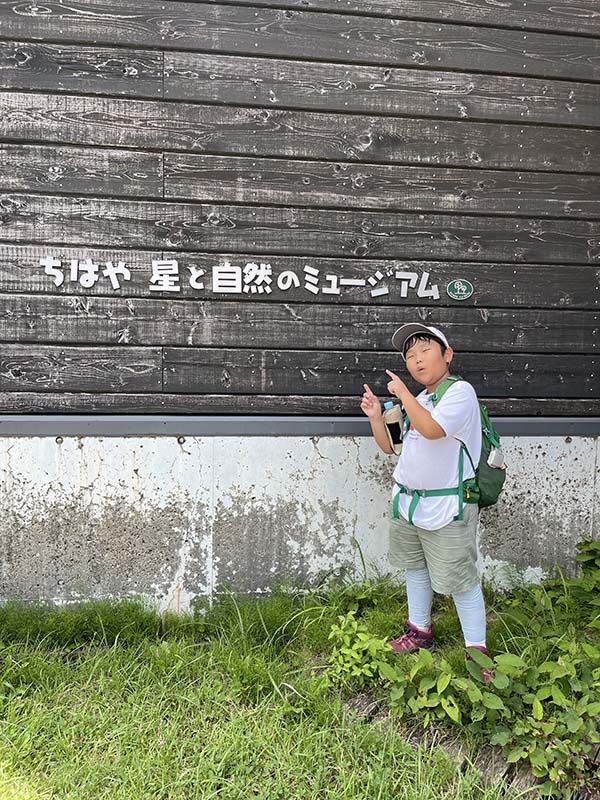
column 455, row 409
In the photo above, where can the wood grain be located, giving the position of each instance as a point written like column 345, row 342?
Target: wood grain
column 276, row 32
column 241, row 130
column 379, row 90
column 93, row 222
column 213, row 323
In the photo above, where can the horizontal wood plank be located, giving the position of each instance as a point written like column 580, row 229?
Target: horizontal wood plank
column 66, row 369
column 248, row 30
column 570, row 16
column 191, row 370
column 298, row 84
column 190, row 404
column 254, row 229
column 127, row 173
column 496, row 285
column 274, row 372
column 114, row 122
column 80, row 68
column 81, row 170
column 99, row 320
column 225, row 179
column 379, row 90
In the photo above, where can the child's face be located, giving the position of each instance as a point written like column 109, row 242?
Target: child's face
column 425, row 361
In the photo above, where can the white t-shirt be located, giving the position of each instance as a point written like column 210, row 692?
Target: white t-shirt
column 433, row 463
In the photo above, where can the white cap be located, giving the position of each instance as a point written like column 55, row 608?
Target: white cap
column 405, row 332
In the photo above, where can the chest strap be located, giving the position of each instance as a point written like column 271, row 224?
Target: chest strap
column 466, row 491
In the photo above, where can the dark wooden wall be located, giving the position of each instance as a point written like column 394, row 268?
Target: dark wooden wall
column 358, row 137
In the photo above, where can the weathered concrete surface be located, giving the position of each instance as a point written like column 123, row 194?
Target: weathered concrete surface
column 105, row 517
column 550, row 504
column 177, row 520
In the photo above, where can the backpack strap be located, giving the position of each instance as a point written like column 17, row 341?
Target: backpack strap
column 417, row 494
column 406, row 425
column 470, row 494
column 436, row 396
column 466, row 491
column 441, row 390
column 461, row 488
column 464, row 447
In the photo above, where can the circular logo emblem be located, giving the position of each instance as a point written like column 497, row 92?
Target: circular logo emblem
column 460, row 289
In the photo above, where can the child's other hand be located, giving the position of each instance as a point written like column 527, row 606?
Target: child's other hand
column 370, row 405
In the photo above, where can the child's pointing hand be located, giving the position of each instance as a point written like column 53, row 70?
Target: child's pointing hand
column 396, row 386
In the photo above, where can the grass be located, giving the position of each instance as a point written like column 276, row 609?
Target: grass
column 108, row 700
column 161, row 722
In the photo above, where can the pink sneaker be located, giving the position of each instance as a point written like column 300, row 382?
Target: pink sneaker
column 413, row 639
column 487, row 674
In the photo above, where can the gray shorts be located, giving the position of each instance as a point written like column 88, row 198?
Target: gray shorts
column 449, row 553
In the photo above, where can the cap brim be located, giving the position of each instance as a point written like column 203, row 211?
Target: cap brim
column 403, row 334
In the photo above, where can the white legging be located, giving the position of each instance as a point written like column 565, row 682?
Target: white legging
column 470, row 606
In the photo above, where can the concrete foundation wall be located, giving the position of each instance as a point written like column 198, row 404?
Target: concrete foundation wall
column 180, row 518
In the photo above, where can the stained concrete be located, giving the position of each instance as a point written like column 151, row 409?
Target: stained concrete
column 179, row 519
column 548, row 505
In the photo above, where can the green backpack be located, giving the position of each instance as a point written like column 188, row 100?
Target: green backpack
column 484, row 489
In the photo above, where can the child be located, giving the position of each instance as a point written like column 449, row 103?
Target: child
column 429, row 539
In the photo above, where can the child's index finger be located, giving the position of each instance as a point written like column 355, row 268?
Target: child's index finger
column 367, row 388
column 392, row 374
